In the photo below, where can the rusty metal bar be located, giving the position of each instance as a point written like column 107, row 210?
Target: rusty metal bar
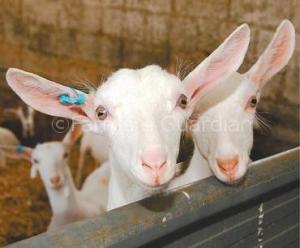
column 205, row 214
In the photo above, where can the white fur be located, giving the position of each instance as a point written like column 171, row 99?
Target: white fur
column 67, row 203
column 224, row 127
column 7, row 137
column 136, row 126
column 98, row 147
column 198, row 169
column 233, row 115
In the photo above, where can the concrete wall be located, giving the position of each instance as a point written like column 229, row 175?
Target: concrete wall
column 78, row 40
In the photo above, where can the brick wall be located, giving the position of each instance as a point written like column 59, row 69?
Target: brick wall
column 77, row 40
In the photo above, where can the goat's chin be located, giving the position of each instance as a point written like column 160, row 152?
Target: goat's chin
column 154, row 188
column 235, row 180
column 237, row 177
column 56, row 187
column 148, row 185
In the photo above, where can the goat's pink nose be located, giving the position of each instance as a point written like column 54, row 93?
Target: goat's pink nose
column 55, row 180
column 229, row 164
column 155, row 162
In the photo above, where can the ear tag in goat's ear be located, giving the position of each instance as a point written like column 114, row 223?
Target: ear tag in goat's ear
column 20, row 149
column 78, row 99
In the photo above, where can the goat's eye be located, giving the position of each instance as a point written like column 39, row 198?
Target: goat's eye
column 101, row 113
column 252, row 102
column 35, row 161
column 66, row 155
column 182, row 101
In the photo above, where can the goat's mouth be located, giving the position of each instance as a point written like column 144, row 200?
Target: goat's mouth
column 154, row 185
column 237, row 181
column 57, row 186
column 155, row 189
column 157, row 185
column 232, row 179
column 153, row 182
column 230, row 174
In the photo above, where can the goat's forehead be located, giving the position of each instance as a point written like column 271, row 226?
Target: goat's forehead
column 243, row 89
column 139, row 85
column 49, row 148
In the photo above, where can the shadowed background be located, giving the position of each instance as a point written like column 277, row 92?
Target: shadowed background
column 85, row 40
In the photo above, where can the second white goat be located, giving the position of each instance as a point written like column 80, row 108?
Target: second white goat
column 67, row 203
column 223, row 133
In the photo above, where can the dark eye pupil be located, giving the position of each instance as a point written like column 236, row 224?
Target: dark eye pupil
column 253, row 102
column 182, row 101
column 101, row 112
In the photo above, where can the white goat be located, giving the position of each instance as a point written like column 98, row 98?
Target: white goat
column 67, row 203
column 7, row 137
column 141, row 113
column 26, row 117
column 223, row 133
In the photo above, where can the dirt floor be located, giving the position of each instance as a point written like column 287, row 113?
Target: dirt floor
column 24, row 208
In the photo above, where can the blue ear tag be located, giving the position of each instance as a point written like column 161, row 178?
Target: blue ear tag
column 78, row 99
column 20, row 149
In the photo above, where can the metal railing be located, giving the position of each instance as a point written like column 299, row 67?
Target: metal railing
column 263, row 211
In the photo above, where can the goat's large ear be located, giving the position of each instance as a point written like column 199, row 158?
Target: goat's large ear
column 17, row 152
column 45, row 96
column 73, row 135
column 217, row 67
column 276, row 55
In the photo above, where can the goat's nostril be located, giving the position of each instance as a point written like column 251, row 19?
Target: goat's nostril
column 162, row 165
column 154, row 159
column 228, row 164
column 154, row 166
column 146, row 165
